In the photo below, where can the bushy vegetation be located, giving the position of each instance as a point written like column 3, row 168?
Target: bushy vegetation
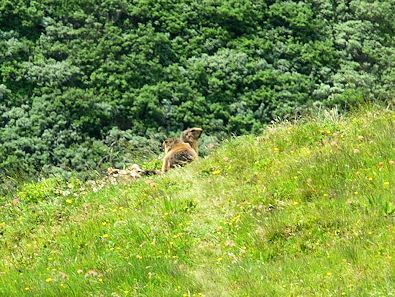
column 86, row 83
column 305, row 209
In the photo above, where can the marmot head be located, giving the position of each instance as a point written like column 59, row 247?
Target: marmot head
column 191, row 135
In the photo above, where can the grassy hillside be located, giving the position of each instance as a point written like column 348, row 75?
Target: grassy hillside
column 305, row 209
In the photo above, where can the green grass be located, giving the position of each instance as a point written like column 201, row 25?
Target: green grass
column 306, row 209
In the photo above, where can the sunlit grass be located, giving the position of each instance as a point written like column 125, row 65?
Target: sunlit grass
column 306, row 209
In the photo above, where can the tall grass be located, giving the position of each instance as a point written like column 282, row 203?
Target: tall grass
column 305, row 209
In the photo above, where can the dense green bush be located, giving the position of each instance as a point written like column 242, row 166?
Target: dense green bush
column 92, row 83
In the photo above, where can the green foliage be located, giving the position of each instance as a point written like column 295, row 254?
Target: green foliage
column 38, row 192
column 71, row 72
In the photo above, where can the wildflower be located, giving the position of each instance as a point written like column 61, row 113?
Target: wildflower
column 63, row 275
column 105, row 235
column 151, row 183
column 329, row 273
column 62, row 285
column 356, row 151
column 216, row 172
column 27, row 289
column 139, row 257
column 104, row 223
column 69, row 201
column 91, row 273
column 386, row 184
column 370, row 178
column 79, row 271
column 49, row 280
column 391, row 162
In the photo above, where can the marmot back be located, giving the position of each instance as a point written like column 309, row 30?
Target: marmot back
column 177, row 154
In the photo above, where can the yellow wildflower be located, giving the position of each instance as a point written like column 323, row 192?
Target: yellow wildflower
column 48, row 280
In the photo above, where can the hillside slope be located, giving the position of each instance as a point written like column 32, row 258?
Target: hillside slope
column 306, row 209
